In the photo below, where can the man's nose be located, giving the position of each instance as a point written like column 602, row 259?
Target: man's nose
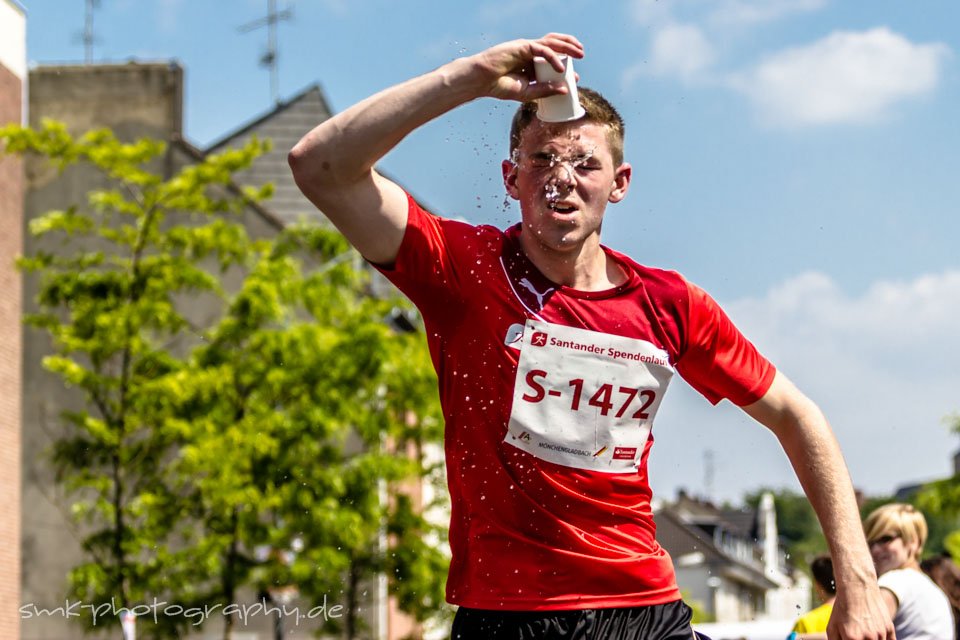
column 562, row 172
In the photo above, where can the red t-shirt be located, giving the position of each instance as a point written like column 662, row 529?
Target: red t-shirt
column 549, row 395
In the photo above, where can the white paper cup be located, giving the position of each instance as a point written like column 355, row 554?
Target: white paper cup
column 563, row 107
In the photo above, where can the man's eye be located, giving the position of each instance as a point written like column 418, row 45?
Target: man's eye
column 543, row 160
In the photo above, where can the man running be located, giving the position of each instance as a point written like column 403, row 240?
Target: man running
column 553, row 354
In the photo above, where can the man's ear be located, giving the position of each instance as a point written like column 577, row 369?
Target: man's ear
column 510, row 178
column 621, row 183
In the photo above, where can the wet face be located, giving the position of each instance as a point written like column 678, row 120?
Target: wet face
column 563, row 176
column 890, row 552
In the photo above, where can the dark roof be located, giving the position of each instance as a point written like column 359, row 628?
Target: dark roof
column 681, row 538
column 272, row 113
column 703, row 512
column 284, row 126
column 742, row 520
column 178, row 142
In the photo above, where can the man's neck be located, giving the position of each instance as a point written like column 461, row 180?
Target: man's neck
column 585, row 268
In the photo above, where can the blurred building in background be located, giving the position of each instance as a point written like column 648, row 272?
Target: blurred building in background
column 13, row 87
column 730, row 561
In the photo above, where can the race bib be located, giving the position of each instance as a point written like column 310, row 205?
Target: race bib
column 585, row 399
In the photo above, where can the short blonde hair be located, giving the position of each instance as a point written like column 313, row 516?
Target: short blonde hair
column 898, row 520
column 598, row 111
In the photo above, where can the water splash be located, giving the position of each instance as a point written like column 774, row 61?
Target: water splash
column 552, row 191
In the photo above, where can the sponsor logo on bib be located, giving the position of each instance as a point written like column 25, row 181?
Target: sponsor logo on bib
column 586, row 399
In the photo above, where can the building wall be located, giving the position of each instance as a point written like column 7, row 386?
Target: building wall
column 737, row 603
column 786, row 601
column 133, row 99
column 136, row 101
column 12, row 91
column 693, row 582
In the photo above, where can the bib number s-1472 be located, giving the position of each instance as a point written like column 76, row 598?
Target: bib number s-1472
column 586, row 399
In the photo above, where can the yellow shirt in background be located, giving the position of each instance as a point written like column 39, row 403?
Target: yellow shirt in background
column 815, row 621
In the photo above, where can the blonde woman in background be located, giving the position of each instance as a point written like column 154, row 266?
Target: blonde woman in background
column 896, row 534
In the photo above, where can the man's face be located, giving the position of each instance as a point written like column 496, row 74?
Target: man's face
column 563, row 176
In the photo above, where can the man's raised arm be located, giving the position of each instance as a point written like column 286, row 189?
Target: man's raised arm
column 334, row 163
column 859, row 612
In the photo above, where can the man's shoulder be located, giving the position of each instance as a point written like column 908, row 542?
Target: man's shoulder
column 482, row 238
column 656, row 280
column 457, row 230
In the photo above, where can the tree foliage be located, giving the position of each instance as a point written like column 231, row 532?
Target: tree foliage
column 943, row 496
column 262, row 446
column 940, row 502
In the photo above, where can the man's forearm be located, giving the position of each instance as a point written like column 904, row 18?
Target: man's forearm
column 815, row 455
column 345, row 147
column 859, row 612
column 334, row 163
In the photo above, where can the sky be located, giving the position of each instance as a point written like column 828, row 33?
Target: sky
column 798, row 159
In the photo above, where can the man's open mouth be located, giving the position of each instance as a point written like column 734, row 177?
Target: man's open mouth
column 561, row 207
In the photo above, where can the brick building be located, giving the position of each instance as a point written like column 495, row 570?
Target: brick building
column 13, row 69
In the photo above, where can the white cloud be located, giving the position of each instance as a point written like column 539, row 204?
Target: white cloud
column 754, row 12
column 720, row 13
column 676, row 50
column 890, row 324
column 680, row 49
column 682, row 31
column 845, row 77
column 882, row 365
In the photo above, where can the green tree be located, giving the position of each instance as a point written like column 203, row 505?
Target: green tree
column 940, row 502
column 943, row 496
column 317, row 398
column 279, row 425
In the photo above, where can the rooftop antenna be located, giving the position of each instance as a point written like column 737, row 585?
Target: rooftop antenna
column 269, row 59
column 708, row 474
column 87, row 37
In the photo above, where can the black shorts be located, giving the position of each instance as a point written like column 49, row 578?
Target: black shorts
column 657, row 622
